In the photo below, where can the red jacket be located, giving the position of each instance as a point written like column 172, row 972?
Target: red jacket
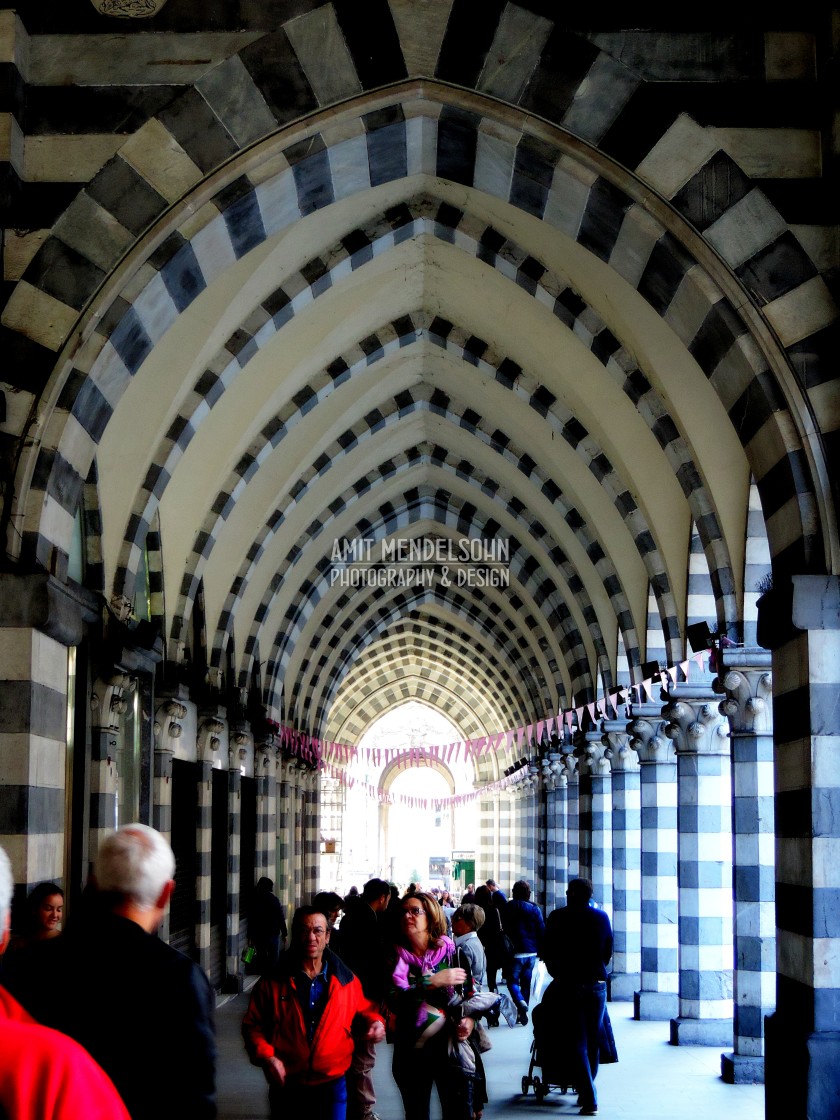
column 274, row 1025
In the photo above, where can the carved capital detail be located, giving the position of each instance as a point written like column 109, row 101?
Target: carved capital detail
column 650, row 740
column 696, row 725
column 749, row 700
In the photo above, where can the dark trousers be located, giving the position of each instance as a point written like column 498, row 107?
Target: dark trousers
column 416, row 1071
column 584, row 1006
column 327, row 1101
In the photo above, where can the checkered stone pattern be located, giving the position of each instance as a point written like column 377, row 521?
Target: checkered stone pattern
column 702, row 604
column 203, row 846
column 285, row 834
column 311, row 835
column 802, row 1034
column 747, row 680
column 599, row 220
column 657, row 996
column 575, row 868
column 299, row 827
column 596, row 818
column 704, row 821
column 626, row 862
column 266, row 811
column 233, row 938
column 33, row 699
column 756, row 566
column 557, row 853
column 507, row 867
column 528, row 839
column 487, row 851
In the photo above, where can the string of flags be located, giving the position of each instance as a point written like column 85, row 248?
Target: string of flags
column 333, row 758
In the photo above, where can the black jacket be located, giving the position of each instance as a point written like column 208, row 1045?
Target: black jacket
column 144, row 1011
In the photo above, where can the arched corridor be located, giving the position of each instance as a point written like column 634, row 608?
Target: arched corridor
column 476, row 356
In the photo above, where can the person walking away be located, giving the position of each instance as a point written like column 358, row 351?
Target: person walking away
column 267, row 930
column 525, row 927
column 577, row 948
column 300, row 1024
column 362, row 950
column 491, row 936
column 144, row 1011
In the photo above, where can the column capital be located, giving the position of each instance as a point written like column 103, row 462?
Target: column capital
column 650, row 740
column 619, row 751
column 748, row 704
column 591, row 751
column 694, row 721
column 167, row 726
column 209, row 738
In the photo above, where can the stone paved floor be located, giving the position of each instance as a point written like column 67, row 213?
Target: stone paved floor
column 652, row 1080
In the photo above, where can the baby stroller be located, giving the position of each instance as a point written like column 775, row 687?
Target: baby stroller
column 553, row 1054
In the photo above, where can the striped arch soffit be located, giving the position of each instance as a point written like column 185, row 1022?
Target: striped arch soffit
column 419, row 129
column 466, row 426
column 459, row 635
column 415, row 218
column 420, row 653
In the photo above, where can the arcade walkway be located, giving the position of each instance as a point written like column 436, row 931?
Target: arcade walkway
column 652, row 1081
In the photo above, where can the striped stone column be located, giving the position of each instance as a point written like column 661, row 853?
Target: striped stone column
column 207, row 746
column 299, row 808
column 584, row 813
column 487, row 854
column 107, row 697
column 600, row 840
column 312, row 834
column 285, row 835
column 166, row 730
column 557, row 854
column 506, row 869
column 657, row 997
column 802, row 1069
column 626, row 861
column 572, row 817
column 704, row 867
column 233, row 941
column 525, row 866
column 266, row 808
column 33, row 728
column 747, row 681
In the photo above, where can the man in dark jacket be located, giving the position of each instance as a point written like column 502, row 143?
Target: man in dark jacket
column 362, row 950
column 143, row 1010
column 525, row 927
column 300, row 1024
column 577, row 949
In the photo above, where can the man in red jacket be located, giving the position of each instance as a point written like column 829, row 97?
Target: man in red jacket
column 300, row 1024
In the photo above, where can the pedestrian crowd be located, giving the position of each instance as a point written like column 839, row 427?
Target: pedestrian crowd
column 106, row 1021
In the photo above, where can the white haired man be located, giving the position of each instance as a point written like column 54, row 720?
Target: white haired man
column 142, row 1009
column 43, row 1073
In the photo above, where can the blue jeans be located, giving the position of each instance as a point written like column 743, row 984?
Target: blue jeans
column 519, row 979
column 317, row 1102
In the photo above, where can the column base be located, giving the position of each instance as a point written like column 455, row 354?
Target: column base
column 701, row 1032
column 802, row 1070
column 622, row 986
column 655, row 1005
column 741, row 1069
